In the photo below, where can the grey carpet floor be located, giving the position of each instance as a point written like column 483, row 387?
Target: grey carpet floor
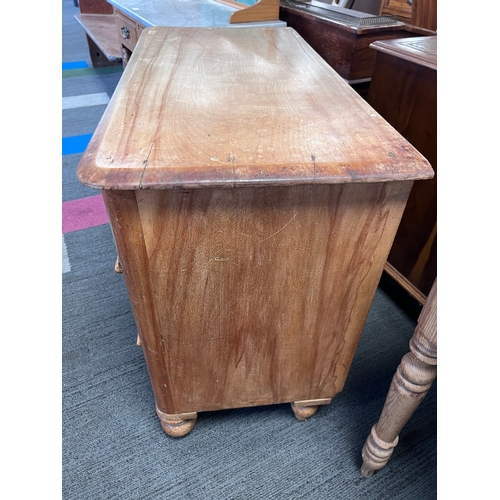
column 112, row 442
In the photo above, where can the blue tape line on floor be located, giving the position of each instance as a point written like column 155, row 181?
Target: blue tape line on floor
column 75, row 144
column 74, row 65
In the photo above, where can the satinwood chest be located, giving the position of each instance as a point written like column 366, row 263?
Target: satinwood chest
column 253, row 197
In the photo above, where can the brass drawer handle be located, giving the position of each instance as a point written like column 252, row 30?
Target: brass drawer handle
column 125, row 32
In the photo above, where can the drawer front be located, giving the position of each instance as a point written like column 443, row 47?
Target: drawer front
column 127, row 30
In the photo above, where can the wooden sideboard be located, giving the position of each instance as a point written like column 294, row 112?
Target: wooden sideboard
column 113, row 27
column 404, row 91
column 253, row 197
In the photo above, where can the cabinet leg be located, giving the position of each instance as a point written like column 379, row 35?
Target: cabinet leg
column 303, row 412
column 177, row 425
column 305, row 409
column 409, row 386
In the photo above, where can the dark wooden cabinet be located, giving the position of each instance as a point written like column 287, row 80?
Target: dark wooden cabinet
column 404, row 91
column 342, row 37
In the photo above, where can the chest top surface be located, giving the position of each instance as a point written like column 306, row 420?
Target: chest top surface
column 252, row 106
column 421, row 50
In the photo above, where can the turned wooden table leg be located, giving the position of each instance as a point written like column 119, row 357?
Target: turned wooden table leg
column 177, row 425
column 305, row 409
column 410, row 384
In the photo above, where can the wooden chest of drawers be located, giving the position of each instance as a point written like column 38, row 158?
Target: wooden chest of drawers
column 253, row 198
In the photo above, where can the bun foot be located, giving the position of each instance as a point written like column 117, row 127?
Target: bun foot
column 303, row 412
column 177, row 425
column 305, row 409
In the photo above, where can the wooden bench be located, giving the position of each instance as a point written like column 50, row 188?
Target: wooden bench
column 102, row 37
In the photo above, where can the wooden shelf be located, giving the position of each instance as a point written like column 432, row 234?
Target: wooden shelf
column 101, row 29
